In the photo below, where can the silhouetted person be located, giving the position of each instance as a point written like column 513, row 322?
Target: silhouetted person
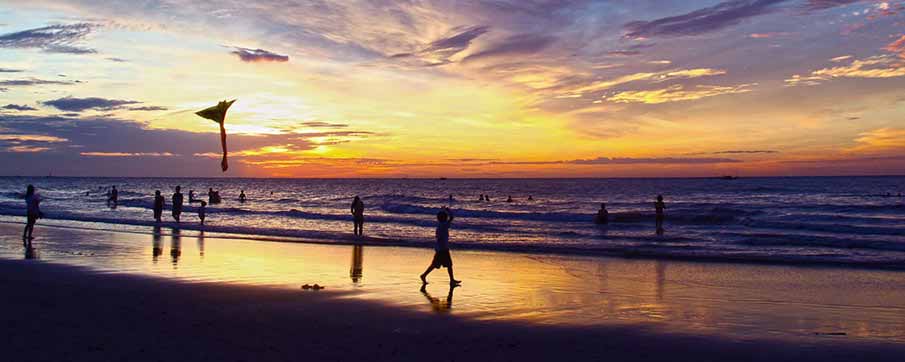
column 481, row 198
column 441, row 250
column 202, row 211
column 451, row 198
column 114, row 197
column 158, row 205
column 192, row 197
column 213, row 197
column 660, row 207
column 530, row 198
column 486, row 197
column 358, row 216
column 242, row 197
column 177, row 203
column 32, row 212
column 509, row 199
column 603, row 216
column 357, row 259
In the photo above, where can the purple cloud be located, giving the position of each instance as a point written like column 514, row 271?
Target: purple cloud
column 524, row 44
column 19, row 107
column 701, row 21
column 51, row 39
column 71, row 104
column 258, row 55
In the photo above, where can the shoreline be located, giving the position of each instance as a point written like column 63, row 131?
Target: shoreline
column 349, row 240
column 728, row 300
column 69, row 313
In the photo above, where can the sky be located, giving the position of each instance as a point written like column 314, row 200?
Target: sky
column 484, row 88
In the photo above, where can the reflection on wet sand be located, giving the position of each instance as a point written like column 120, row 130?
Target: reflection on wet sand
column 30, row 252
column 176, row 246
column 156, row 244
column 357, row 258
column 201, row 243
column 437, row 305
column 779, row 300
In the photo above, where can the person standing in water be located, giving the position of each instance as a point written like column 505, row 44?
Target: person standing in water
column 441, row 250
column 358, row 216
column 177, row 203
column 114, row 197
column 158, row 205
column 660, row 206
column 202, row 211
column 33, row 211
column 603, row 216
column 242, row 197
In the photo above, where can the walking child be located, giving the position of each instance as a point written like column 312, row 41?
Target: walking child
column 441, row 250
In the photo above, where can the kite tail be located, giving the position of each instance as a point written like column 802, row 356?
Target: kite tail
column 223, row 164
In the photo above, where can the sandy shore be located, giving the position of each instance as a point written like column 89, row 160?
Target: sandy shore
column 55, row 312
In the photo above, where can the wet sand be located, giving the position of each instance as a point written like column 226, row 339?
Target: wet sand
column 96, row 295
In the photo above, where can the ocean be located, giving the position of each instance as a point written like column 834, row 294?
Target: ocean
column 855, row 221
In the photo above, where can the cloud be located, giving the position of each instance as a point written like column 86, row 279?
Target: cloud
column 879, row 66
column 31, row 82
column 439, row 51
column 769, row 35
column 742, row 152
column 826, row 4
column 880, row 140
column 319, row 124
column 524, row 44
column 650, row 76
column 71, row 104
column 624, row 161
column 117, row 60
column 19, row 107
column 51, row 39
column 677, row 93
column 9, row 70
column 897, row 47
column 127, row 154
column 27, row 143
column 840, row 58
column 148, row 108
column 259, row 55
column 701, row 21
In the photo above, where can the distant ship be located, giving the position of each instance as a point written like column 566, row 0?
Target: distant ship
column 727, row 177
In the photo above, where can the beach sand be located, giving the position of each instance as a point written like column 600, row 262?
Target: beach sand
column 99, row 295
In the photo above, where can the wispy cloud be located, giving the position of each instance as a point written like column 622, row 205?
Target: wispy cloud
column 259, row 55
column 31, row 82
column 19, row 107
column 71, row 104
column 656, row 77
column 701, row 21
column 10, row 70
column 624, row 161
column 127, row 154
column 523, row 44
column 440, row 51
column 51, row 39
column 677, row 93
column 879, row 66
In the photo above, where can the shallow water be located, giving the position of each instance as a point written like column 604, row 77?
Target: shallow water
column 736, row 301
column 838, row 220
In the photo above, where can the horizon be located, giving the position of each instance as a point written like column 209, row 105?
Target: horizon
column 500, row 90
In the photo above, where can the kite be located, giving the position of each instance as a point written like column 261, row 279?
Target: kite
column 218, row 114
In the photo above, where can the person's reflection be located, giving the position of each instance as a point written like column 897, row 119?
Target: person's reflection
column 156, row 244
column 201, row 244
column 176, row 246
column 357, row 260
column 438, row 305
column 30, row 252
column 660, row 266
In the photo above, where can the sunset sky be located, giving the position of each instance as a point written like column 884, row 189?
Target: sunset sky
column 494, row 88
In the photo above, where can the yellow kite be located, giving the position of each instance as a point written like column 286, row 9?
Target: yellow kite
column 218, row 114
